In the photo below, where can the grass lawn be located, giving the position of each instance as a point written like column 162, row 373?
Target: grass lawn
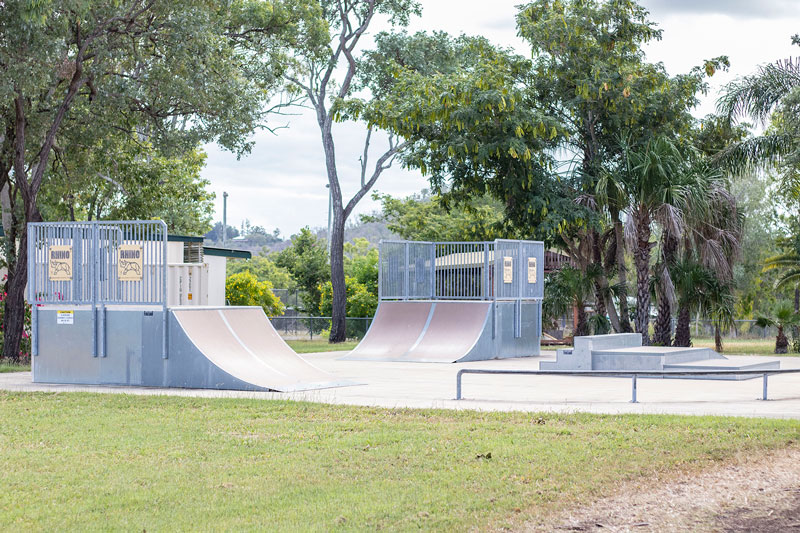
column 108, row 462
column 319, row 345
column 742, row 346
column 8, row 367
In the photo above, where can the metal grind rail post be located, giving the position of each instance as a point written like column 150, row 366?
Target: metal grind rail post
column 627, row 374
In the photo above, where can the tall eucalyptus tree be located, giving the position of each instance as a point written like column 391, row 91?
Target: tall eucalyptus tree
column 172, row 74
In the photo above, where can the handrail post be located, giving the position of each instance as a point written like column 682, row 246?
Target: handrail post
column 633, row 392
column 458, row 384
column 764, row 393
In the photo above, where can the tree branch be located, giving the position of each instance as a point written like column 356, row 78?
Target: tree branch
column 383, row 163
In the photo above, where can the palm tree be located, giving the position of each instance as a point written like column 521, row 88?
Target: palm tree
column 783, row 316
column 568, row 288
column 691, row 281
column 721, row 310
column 654, row 183
column 773, row 88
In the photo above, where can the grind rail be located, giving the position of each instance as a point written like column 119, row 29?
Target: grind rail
column 627, row 374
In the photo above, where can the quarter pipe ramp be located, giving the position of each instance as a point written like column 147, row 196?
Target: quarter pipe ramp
column 242, row 351
column 232, row 348
column 448, row 332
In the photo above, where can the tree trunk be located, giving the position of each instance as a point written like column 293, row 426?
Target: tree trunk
column 663, row 328
column 717, row 339
column 683, row 336
column 602, row 293
column 14, row 303
column 622, row 275
column 781, row 343
column 662, row 332
column 582, row 326
column 339, row 312
column 641, row 257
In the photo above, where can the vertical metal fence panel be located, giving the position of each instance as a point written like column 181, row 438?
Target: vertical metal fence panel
column 507, row 259
column 498, row 270
column 79, row 263
column 420, row 281
column 461, row 270
column 86, row 257
column 392, row 269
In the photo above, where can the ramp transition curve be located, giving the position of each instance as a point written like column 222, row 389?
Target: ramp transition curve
column 245, row 352
column 447, row 332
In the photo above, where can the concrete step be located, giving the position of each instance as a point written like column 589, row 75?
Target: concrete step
column 734, row 363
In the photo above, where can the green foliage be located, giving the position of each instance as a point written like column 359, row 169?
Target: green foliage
column 306, row 260
column 360, row 301
column 264, row 269
column 566, row 289
column 143, row 185
column 361, row 263
column 782, row 316
column 243, row 288
column 430, row 218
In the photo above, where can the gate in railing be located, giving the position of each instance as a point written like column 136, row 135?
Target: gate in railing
column 97, row 264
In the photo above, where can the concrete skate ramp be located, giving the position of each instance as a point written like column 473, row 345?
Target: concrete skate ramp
column 243, row 345
column 396, row 328
column 453, row 331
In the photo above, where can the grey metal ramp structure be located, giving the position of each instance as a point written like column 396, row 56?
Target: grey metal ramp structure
column 456, row 302
column 98, row 292
column 395, row 329
column 624, row 351
column 237, row 348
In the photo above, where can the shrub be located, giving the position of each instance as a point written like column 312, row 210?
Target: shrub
column 243, row 288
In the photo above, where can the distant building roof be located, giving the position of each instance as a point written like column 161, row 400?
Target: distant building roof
column 227, row 252
column 183, row 238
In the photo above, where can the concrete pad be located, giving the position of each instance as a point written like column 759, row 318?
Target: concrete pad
column 402, row 384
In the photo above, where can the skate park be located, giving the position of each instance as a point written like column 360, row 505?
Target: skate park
column 444, row 307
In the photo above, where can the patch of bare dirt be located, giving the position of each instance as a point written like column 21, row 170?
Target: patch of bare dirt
column 748, row 493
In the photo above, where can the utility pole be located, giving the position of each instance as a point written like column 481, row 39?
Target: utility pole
column 224, row 216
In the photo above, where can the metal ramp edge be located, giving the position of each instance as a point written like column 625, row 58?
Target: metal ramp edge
column 237, row 349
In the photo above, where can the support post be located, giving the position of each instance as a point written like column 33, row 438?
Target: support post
column 634, row 391
column 102, row 327
column 764, row 391
column 165, row 311
column 405, row 278
column 458, row 384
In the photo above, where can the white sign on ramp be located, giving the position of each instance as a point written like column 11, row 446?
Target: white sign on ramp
column 508, row 269
column 531, row 270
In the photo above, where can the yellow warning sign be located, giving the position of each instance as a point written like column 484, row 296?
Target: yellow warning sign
column 531, row 270
column 129, row 262
column 59, row 263
column 508, row 269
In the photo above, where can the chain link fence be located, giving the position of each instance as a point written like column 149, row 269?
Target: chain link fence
column 744, row 329
column 314, row 327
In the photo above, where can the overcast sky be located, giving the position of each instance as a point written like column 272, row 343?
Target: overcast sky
column 281, row 184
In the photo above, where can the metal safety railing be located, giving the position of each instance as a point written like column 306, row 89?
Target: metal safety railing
column 635, row 375
column 491, row 270
column 97, row 263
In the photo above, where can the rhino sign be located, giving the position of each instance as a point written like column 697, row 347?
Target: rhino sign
column 129, row 262
column 59, row 263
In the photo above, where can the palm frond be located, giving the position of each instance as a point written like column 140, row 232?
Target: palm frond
column 757, row 152
column 758, row 94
